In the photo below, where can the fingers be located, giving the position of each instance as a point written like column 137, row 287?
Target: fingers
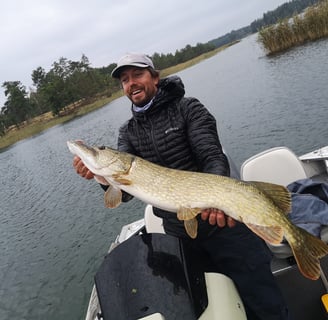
column 205, row 214
column 89, row 175
column 81, row 169
column 231, row 222
column 217, row 217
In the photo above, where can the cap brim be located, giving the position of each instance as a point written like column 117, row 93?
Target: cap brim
column 116, row 72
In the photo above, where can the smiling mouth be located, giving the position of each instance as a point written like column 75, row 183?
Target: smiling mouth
column 136, row 92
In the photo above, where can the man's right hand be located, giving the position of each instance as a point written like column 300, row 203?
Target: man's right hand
column 217, row 217
column 81, row 169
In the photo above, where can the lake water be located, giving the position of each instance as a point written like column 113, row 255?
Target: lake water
column 54, row 229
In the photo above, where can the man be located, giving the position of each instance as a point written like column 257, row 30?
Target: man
column 179, row 132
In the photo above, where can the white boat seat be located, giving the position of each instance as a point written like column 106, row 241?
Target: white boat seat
column 153, row 223
column 277, row 165
column 281, row 166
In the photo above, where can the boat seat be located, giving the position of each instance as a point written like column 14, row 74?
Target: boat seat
column 153, row 223
column 281, row 166
column 277, row 165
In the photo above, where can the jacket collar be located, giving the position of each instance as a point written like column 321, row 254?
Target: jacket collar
column 169, row 89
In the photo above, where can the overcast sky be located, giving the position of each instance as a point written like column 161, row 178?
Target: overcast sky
column 38, row 32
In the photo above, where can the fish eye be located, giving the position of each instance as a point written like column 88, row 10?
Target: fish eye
column 102, row 148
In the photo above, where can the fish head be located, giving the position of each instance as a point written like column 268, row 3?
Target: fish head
column 102, row 161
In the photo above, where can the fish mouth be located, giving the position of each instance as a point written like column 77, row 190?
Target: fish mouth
column 79, row 148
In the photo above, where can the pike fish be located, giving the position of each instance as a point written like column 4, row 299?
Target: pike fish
column 262, row 207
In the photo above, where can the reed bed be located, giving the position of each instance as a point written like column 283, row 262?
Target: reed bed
column 308, row 26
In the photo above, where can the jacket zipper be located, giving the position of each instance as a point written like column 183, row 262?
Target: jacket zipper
column 155, row 144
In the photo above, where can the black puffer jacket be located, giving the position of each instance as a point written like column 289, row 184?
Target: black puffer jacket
column 175, row 132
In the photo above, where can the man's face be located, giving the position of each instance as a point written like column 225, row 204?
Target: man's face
column 138, row 85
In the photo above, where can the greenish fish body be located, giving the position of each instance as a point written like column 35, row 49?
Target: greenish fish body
column 263, row 207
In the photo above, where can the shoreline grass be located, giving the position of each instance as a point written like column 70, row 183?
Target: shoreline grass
column 46, row 121
column 309, row 26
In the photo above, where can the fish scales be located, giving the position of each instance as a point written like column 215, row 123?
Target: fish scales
column 263, row 207
column 182, row 188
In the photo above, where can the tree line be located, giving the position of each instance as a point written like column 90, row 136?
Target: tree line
column 67, row 82
column 70, row 83
column 283, row 11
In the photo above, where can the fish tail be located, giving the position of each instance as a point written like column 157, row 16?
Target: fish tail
column 307, row 253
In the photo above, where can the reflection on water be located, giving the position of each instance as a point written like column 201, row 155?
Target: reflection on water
column 54, row 229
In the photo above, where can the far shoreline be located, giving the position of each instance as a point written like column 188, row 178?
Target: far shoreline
column 46, row 121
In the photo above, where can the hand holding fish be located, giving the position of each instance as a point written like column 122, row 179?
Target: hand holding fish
column 216, row 216
column 213, row 215
column 84, row 172
column 81, row 169
column 262, row 207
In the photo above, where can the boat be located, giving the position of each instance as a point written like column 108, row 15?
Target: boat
column 150, row 275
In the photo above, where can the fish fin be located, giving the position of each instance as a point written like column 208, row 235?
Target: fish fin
column 112, row 197
column 101, row 180
column 191, row 227
column 280, row 195
column 270, row 234
column 123, row 181
column 307, row 254
column 185, row 213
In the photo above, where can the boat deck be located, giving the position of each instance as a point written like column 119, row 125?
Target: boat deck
column 303, row 296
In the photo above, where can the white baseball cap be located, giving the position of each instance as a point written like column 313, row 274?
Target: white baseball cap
column 134, row 60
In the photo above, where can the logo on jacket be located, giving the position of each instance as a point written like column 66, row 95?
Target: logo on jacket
column 171, row 129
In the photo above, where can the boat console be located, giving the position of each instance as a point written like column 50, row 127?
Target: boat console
column 157, row 275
